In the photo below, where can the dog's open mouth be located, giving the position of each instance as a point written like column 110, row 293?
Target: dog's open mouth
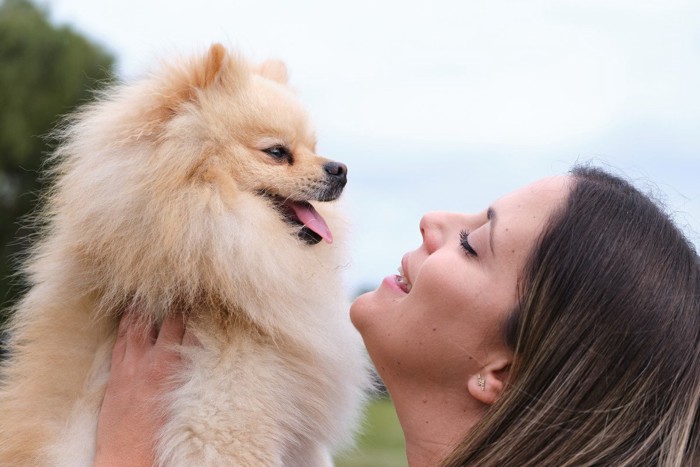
column 302, row 214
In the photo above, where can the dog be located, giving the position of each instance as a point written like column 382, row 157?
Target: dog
column 197, row 189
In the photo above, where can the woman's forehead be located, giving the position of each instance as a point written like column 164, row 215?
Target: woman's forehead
column 523, row 213
column 544, row 194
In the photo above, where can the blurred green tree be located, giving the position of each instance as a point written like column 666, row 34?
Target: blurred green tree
column 45, row 72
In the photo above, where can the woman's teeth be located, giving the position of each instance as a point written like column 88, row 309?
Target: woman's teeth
column 401, row 280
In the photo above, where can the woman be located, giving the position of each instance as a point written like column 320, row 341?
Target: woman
column 561, row 326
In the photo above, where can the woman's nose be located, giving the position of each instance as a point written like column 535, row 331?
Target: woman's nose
column 432, row 229
column 438, row 228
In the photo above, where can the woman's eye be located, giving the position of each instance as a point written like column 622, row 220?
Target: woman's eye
column 278, row 152
column 464, row 243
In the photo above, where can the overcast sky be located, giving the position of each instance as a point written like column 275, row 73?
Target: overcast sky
column 449, row 105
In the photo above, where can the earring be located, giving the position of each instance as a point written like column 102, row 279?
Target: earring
column 481, row 382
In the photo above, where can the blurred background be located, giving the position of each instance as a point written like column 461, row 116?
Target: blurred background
column 445, row 105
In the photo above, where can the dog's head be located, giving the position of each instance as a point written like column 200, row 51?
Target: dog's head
column 255, row 136
column 201, row 178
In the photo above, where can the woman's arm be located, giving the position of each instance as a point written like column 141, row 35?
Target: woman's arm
column 143, row 363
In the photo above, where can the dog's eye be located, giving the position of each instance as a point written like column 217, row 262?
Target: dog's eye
column 279, row 152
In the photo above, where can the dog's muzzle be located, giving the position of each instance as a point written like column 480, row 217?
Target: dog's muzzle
column 336, row 179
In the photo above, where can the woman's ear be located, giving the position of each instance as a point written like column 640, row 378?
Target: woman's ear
column 487, row 385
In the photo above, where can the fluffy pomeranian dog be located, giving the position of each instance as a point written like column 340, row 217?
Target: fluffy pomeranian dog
column 194, row 189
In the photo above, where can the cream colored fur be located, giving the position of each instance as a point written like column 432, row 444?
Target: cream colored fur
column 157, row 203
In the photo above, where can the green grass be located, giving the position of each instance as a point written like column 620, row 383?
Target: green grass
column 381, row 443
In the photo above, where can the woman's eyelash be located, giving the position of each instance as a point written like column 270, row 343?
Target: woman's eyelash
column 464, row 243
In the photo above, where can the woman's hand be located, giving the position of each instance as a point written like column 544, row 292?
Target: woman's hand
column 143, row 364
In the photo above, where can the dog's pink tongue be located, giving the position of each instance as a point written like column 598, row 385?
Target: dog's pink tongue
column 312, row 219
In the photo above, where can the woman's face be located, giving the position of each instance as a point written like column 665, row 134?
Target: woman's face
column 444, row 320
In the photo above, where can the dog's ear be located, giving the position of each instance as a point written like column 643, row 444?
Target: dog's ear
column 205, row 71
column 182, row 82
column 274, row 70
column 210, row 70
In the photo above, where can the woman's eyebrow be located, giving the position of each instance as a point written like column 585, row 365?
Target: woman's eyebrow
column 491, row 216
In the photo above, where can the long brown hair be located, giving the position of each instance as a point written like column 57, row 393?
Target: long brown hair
column 606, row 341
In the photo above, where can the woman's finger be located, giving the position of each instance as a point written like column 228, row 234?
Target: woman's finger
column 172, row 330
column 189, row 339
column 138, row 337
column 119, row 348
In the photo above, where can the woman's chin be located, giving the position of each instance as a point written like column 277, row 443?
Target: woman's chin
column 359, row 310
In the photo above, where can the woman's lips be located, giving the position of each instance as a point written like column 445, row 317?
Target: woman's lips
column 399, row 282
column 402, row 279
column 392, row 283
column 403, row 285
column 404, row 268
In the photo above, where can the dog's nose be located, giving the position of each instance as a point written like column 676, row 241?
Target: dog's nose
column 337, row 170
